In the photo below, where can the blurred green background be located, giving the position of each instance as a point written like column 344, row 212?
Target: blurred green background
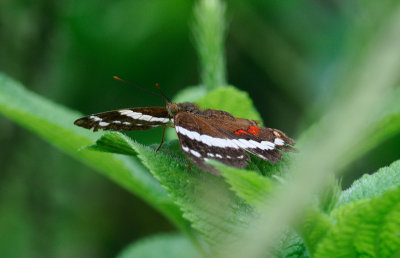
column 286, row 54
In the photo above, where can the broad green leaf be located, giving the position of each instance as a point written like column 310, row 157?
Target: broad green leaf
column 248, row 185
column 114, row 143
column 255, row 189
column 205, row 199
column 368, row 228
column 190, row 94
column 232, row 100
column 375, row 185
column 313, row 228
column 162, row 245
column 291, row 246
column 54, row 124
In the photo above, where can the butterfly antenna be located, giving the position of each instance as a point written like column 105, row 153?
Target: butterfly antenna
column 162, row 93
column 140, row 88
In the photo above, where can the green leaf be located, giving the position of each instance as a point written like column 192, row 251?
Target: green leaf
column 255, row 189
column 248, row 185
column 314, row 228
column 232, row 100
column 291, row 245
column 205, row 199
column 54, row 124
column 162, row 245
column 190, row 94
column 375, row 185
column 368, row 228
column 114, row 142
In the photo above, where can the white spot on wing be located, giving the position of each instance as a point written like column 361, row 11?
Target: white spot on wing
column 103, row 123
column 146, row 118
column 269, row 145
column 116, row 122
column 195, row 153
column 126, row 123
column 95, row 118
column 185, row 148
column 279, row 141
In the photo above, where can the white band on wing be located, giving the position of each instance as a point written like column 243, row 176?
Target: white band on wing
column 140, row 116
column 223, row 143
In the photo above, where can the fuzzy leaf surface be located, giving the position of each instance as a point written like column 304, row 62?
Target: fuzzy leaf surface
column 367, row 228
column 206, row 200
column 375, row 185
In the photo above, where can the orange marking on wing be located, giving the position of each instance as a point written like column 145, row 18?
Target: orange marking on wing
column 240, row 131
column 254, row 130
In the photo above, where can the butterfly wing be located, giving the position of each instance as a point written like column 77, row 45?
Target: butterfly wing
column 266, row 143
column 141, row 118
column 200, row 141
column 215, row 134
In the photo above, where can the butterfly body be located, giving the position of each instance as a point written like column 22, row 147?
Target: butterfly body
column 203, row 135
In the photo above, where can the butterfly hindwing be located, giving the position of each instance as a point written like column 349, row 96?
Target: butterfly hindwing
column 214, row 134
column 200, row 142
column 128, row 119
column 263, row 142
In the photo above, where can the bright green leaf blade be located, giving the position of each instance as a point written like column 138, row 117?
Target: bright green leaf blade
column 255, row 189
column 248, row 185
column 54, row 123
column 163, row 245
column 190, row 94
column 314, row 228
column 113, row 142
column 368, row 228
column 232, row 100
column 375, row 185
column 292, row 246
column 205, row 199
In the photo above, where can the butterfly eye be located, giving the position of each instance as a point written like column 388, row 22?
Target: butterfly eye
column 172, row 108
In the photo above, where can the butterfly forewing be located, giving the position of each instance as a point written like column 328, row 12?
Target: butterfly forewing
column 141, row 118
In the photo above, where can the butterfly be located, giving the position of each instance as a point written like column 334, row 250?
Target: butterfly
column 203, row 134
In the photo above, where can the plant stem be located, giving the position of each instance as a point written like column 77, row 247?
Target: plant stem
column 209, row 33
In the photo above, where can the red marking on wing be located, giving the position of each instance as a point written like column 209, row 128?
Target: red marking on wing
column 254, row 130
column 240, row 131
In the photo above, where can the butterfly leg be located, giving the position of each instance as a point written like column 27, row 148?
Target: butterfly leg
column 188, row 167
column 162, row 139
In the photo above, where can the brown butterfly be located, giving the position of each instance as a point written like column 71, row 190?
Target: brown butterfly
column 203, row 135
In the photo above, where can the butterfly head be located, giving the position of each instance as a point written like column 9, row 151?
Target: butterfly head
column 173, row 108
